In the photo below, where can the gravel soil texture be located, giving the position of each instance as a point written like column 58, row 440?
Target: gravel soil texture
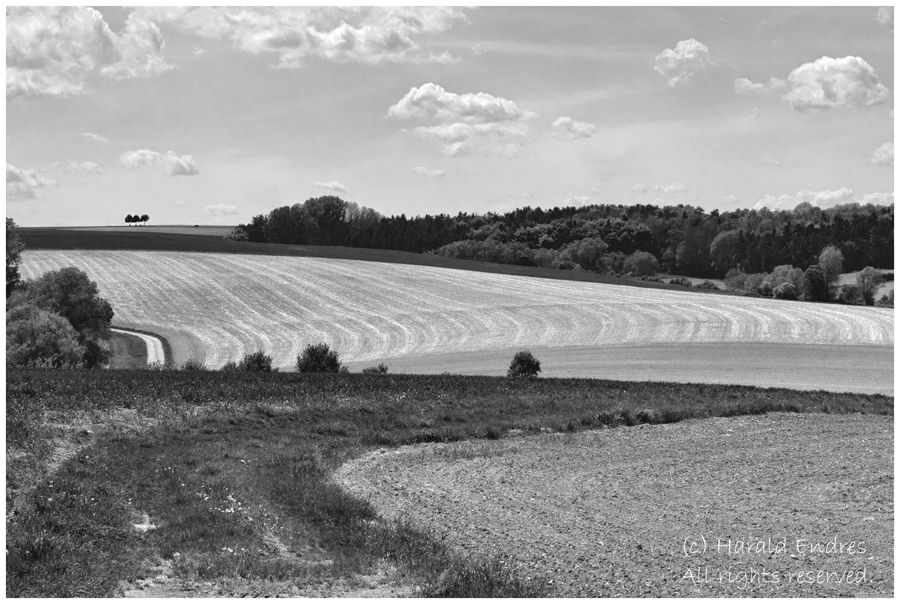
column 773, row 505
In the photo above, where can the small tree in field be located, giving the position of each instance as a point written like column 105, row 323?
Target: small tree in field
column 318, row 358
column 815, row 287
column 144, row 218
column 524, row 365
column 256, row 361
column 869, row 280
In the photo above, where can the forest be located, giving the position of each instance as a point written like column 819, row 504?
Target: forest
column 610, row 239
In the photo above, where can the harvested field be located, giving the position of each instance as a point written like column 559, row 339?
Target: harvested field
column 614, row 512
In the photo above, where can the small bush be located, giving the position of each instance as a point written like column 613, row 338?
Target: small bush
column 765, row 289
column 319, row 358
column 683, row 281
column 785, row 291
column 381, row 368
column 230, row 366
column 255, row 361
column 850, row 294
column 706, row 285
column 193, row 365
column 524, row 365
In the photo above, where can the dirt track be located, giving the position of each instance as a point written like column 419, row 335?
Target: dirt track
column 612, row 512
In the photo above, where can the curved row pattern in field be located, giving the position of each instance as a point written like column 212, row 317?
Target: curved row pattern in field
column 216, row 307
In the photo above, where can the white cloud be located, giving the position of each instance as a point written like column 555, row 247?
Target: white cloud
column 819, row 199
column 174, row 164
column 342, row 34
column 884, row 155
column 21, row 183
column 50, row 51
column 576, row 200
column 639, row 188
column 675, row 187
column 567, row 129
column 467, row 122
column 745, row 86
column 679, row 65
column 220, row 209
column 885, row 16
column 880, row 199
column 333, row 186
column 729, row 199
column 84, row 166
column 422, row 171
column 827, row 83
column 94, row 137
column 199, row 51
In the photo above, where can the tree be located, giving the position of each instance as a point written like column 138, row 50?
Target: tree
column 640, row 264
column 869, row 280
column 524, row 365
column 724, row 250
column 255, row 361
column 39, row 338
column 319, row 358
column 815, row 287
column 70, row 293
column 785, row 291
column 144, row 218
column 831, row 261
column 129, row 219
column 14, row 247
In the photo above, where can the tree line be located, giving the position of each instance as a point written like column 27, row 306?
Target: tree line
column 133, row 219
column 680, row 239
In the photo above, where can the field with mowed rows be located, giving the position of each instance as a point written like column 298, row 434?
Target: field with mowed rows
column 217, row 307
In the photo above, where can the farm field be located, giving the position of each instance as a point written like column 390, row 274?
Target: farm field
column 607, row 513
column 203, row 230
column 216, row 307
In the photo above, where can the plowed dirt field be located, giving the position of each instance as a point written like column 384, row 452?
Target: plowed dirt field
column 773, row 505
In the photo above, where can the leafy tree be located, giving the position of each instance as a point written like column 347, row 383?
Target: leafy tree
column 524, row 365
column 318, row 358
column 145, row 218
column 641, row 263
column 14, row 247
column 724, row 250
column 129, row 219
column 850, row 294
column 815, row 287
column 39, row 338
column 255, row 361
column 70, row 293
column 831, row 261
column 869, row 280
column 785, row 291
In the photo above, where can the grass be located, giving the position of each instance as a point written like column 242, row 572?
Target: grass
column 235, row 473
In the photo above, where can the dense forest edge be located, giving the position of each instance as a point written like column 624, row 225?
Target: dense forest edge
column 606, row 239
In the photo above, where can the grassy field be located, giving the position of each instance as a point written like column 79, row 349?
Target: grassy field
column 204, row 484
column 217, row 307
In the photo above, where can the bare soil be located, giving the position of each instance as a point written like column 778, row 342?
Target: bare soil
column 714, row 507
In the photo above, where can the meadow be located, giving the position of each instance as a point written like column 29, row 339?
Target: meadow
column 234, row 473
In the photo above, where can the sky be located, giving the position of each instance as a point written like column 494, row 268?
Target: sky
column 214, row 115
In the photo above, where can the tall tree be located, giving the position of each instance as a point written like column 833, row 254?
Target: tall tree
column 14, row 247
column 869, row 280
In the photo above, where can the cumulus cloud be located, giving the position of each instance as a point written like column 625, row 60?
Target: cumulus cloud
column 467, row 122
column 174, row 164
column 342, row 34
column 879, row 199
column 745, row 86
column 576, row 200
column 220, row 209
column 884, row 155
column 885, row 16
column 422, row 171
column 730, row 199
column 819, row 199
column 94, row 137
column 828, row 83
column 679, row 65
column 21, row 183
column 675, row 187
column 333, row 186
column 50, row 51
column 568, row 129
column 639, row 188
column 84, row 166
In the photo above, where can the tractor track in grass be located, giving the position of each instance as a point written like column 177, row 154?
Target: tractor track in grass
column 609, row 512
